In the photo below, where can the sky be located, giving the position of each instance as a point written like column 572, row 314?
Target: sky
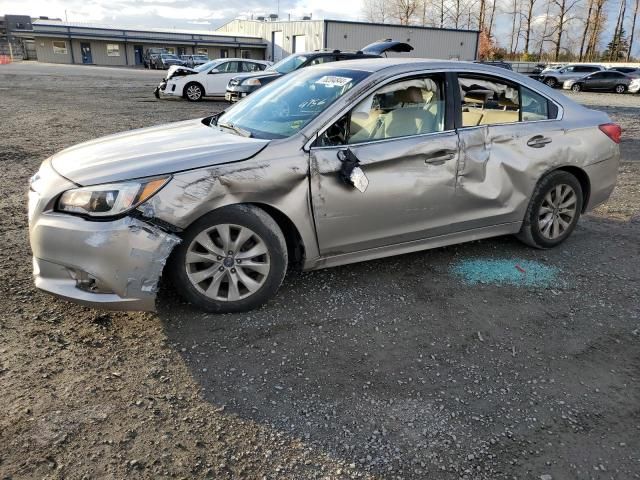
column 179, row 14
column 204, row 14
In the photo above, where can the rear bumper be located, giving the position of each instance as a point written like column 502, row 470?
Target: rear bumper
column 603, row 176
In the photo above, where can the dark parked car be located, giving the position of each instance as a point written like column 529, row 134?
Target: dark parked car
column 164, row 61
column 607, row 81
column 242, row 85
column 631, row 71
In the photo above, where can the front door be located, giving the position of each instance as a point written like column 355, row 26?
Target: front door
column 408, row 151
column 85, row 49
column 138, row 54
column 218, row 78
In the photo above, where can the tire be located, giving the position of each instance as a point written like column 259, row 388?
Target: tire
column 621, row 88
column 193, row 92
column 544, row 217
column 576, row 87
column 225, row 282
column 550, row 82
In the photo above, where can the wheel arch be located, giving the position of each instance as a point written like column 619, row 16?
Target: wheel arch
column 184, row 89
column 295, row 243
column 583, row 179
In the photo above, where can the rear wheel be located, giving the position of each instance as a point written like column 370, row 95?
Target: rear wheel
column 553, row 211
column 576, row 87
column 193, row 92
column 231, row 260
column 551, row 82
column 621, row 88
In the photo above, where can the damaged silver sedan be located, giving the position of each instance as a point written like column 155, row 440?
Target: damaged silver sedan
column 333, row 164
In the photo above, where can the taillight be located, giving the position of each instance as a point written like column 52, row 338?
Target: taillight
column 611, row 130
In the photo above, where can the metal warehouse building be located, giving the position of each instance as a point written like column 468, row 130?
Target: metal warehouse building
column 286, row 37
column 60, row 42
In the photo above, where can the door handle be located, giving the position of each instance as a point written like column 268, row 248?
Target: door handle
column 439, row 157
column 538, row 141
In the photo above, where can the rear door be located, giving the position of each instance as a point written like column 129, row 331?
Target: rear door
column 509, row 135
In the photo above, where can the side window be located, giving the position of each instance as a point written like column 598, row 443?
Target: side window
column 322, row 59
column 400, row 109
column 487, row 101
column 228, row 67
column 534, row 106
column 251, row 67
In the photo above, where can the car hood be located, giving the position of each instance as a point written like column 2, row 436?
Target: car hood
column 153, row 151
column 178, row 70
column 262, row 74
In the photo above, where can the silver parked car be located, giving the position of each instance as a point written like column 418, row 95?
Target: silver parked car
column 554, row 77
column 332, row 164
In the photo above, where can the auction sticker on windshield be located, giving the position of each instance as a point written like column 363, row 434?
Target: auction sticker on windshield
column 333, row 81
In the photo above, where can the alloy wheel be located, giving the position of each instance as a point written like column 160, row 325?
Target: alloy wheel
column 620, row 89
column 194, row 92
column 227, row 262
column 557, row 211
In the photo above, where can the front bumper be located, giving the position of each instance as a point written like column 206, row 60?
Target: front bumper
column 568, row 84
column 238, row 92
column 106, row 264
column 167, row 88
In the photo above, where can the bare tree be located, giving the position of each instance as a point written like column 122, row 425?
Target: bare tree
column 563, row 18
column 404, row 11
column 597, row 23
column 633, row 29
column 375, row 11
column 587, row 24
column 528, row 19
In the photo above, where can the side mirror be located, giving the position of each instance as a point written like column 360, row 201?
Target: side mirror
column 214, row 70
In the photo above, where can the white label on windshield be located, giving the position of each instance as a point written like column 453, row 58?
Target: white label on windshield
column 333, row 81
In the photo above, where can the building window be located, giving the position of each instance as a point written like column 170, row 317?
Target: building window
column 60, row 48
column 245, row 54
column 113, row 50
column 171, row 50
column 224, row 53
column 202, row 51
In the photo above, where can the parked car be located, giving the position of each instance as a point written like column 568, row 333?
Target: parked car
column 165, row 60
column 557, row 76
column 633, row 72
column 150, row 56
column 605, row 81
column 208, row 79
column 634, row 86
column 242, row 85
column 333, row 164
column 194, row 60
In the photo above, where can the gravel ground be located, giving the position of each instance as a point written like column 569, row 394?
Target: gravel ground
column 395, row 368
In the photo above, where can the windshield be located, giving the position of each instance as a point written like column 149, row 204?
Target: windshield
column 280, row 109
column 288, row 64
column 169, row 57
column 205, row 66
column 200, row 57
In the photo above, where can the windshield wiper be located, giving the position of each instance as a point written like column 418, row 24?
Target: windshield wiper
column 240, row 131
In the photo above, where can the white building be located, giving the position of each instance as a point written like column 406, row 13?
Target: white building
column 286, row 37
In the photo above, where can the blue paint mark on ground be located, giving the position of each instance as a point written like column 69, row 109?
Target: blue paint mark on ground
column 518, row 272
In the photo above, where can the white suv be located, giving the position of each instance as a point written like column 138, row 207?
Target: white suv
column 557, row 76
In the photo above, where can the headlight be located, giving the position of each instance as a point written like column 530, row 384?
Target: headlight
column 110, row 199
column 252, row 81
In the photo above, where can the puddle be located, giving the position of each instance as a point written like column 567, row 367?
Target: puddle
column 518, row 272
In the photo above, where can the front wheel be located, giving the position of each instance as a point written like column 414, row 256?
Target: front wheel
column 621, row 88
column 193, row 92
column 553, row 211
column 231, row 260
column 576, row 87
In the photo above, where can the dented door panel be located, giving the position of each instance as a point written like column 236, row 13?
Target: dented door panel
column 411, row 185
